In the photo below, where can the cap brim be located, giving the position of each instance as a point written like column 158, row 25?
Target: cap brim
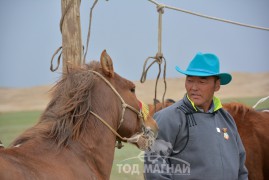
column 194, row 73
column 225, row 78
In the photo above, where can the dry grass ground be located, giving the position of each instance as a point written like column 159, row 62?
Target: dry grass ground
column 36, row 98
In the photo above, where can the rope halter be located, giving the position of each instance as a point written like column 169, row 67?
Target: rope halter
column 144, row 139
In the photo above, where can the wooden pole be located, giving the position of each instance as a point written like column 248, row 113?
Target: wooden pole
column 72, row 51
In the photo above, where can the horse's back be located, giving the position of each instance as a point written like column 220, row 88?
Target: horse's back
column 13, row 166
column 15, row 163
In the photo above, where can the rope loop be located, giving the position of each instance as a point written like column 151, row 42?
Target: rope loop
column 58, row 59
column 159, row 59
column 145, row 69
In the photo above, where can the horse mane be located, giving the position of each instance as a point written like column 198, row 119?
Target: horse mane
column 65, row 117
column 236, row 108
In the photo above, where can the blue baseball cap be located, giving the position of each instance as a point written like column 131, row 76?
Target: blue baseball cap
column 206, row 65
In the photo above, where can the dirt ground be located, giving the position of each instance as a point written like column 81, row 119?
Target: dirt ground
column 36, row 98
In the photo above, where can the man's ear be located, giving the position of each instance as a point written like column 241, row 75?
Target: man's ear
column 217, row 85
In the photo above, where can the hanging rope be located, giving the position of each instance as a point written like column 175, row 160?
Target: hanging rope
column 58, row 59
column 61, row 24
column 60, row 48
column 89, row 30
column 64, row 13
column 210, row 17
column 159, row 58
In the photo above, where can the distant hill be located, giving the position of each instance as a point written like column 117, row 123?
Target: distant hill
column 36, row 98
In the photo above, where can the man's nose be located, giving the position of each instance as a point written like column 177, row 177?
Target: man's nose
column 194, row 86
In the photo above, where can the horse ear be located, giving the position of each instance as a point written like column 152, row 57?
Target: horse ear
column 107, row 64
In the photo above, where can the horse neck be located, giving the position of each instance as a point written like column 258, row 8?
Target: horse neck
column 97, row 147
column 94, row 158
column 94, row 149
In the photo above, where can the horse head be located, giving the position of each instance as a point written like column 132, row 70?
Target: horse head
column 96, row 92
column 133, row 124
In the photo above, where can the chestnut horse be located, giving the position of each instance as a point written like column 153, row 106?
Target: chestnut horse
column 157, row 105
column 253, row 129
column 91, row 107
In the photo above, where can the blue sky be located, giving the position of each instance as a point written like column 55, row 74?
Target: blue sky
column 127, row 29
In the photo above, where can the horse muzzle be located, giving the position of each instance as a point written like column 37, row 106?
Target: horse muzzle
column 143, row 140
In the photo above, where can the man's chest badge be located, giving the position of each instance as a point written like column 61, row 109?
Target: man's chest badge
column 225, row 134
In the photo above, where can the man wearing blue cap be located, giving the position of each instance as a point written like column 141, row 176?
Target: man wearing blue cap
column 198, row 139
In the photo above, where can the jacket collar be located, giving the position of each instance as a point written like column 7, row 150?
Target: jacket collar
column 216, row 103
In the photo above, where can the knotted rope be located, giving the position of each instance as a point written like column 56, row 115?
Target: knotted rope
column 158, row 58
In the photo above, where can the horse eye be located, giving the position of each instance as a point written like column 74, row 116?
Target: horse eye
column 133, row 90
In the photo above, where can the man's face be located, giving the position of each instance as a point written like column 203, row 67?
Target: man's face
column 201, row 90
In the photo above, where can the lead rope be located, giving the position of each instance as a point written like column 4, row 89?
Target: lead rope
column 159, row 58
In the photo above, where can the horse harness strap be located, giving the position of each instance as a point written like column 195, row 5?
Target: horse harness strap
column 103, row 121
column 124, row 106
